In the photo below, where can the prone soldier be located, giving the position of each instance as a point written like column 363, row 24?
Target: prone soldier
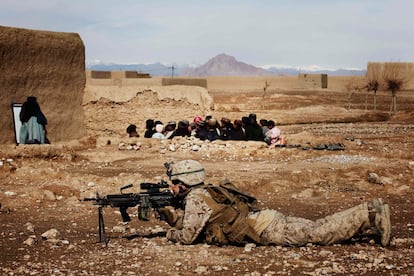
column 225, row 215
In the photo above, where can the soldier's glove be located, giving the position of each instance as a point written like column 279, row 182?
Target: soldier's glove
column 169, row 215
column 179, row 223
column 170, row 235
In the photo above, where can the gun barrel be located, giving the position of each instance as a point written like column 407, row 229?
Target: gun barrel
column 126, row 187
column 90, row 199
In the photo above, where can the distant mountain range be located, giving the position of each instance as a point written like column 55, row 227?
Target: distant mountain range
column 220, row 65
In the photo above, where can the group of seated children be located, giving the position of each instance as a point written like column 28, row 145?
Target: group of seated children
column 247, row 128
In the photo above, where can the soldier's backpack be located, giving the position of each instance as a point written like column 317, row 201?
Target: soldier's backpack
column 229, row 223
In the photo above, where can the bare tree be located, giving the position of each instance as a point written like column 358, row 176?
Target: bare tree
column 373, row 77
column 266, row 85
column 394, row 78
column 352, row 86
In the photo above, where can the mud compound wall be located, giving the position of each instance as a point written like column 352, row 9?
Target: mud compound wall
column 49, row 66
column 313, row 81
column 185, row 81
column 120, row 78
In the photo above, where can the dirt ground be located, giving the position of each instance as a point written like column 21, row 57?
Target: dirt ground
column 42, row 186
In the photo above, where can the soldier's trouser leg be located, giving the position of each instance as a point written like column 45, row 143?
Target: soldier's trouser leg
column 285, row 230
column 338, row 227
column 341, row 226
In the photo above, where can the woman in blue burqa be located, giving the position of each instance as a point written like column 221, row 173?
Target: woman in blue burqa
column 33, row 129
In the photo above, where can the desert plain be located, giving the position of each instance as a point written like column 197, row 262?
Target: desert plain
column 42, row 186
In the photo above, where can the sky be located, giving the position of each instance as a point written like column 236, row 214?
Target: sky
column 328, row 34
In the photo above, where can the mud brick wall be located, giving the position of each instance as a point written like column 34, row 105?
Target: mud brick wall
column 49, row 66
column 135, row 74
column 143, row 75
column 184, row 81
column 101, row 74
column 313, row 81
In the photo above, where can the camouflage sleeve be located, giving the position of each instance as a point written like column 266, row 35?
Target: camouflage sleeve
column 196, row 215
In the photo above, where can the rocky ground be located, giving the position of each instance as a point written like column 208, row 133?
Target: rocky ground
column 46, row 228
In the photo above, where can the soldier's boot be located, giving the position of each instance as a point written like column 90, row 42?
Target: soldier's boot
column 380, row 220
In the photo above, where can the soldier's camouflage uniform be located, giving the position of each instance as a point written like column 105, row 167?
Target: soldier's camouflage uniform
column 272, row 226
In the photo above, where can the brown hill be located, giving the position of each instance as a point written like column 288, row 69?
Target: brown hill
column 225, row 65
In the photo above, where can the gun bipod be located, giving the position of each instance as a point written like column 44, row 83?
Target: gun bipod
column 102, row 234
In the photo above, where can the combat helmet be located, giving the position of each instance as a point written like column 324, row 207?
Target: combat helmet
column 190, row 172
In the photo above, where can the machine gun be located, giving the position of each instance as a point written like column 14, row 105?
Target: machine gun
column 151, row 197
